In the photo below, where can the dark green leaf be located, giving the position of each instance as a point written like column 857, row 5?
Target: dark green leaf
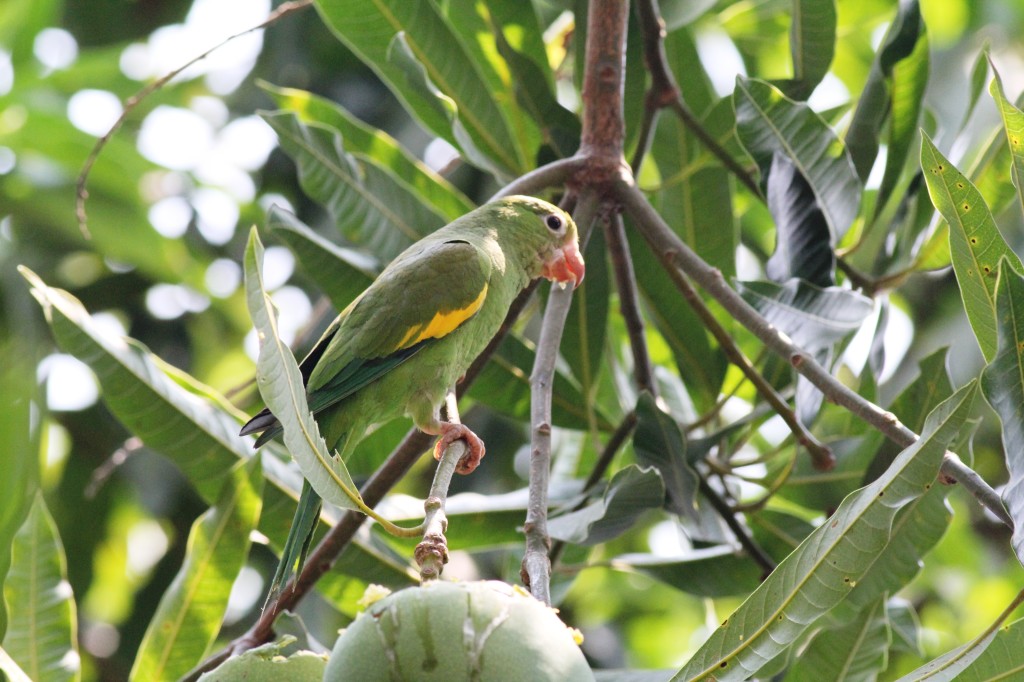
column 659, row 442
column 583, row 339
column 803, row 243
column 852, row 652
column 767, row 122
column 812, row 44
column 708, row 572
column 632, row 492
column 812, row 316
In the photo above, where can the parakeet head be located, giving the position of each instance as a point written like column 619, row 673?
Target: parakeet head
column 535, row 227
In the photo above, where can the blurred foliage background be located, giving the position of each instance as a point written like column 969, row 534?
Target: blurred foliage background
column 170, row 201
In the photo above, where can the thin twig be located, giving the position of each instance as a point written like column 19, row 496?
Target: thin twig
column 536, row 569
column 432, row 553
column 81, row 192
column 675, row 255
column 629, row 304
column 553, row 174
column 742, row 534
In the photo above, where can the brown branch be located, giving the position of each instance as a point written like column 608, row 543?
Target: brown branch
column 742, row 534
column 81, row 192
column 675, row 255
column 664, row 93
column 629, row 303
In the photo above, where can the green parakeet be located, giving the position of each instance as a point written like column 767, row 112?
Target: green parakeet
column 404, row 342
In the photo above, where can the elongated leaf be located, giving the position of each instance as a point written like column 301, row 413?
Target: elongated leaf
column 384, row 34
column 974, row 242
column 1013, row 124
column 189, row 616
column 701, row 365
column 340, row 272
column 853, row 652
column 190, row 424
column 41, row 634
column 812, row 44
column 632, row 492
column 284, row 393
column 768, row 122
column 659, row 442
column 370, row 205
column 899, row 43
column 1003, row 384
column 908, row 80
column 952, row 664
column 707, row 572
column 803, row 242
column 366, row 142
column 18, row 456
column 828, row 564
column 1001, row 659
column 812, row 316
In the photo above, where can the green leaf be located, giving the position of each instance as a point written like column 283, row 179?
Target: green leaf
column 159, row 404
column 19, row 458
column 899, row 43
column 371, row 206
column 1003, row 385
column 368, row 143
column 974, row 242
column 389, row 36
column 701, row 365
column 768, row 122
column 812, row 44
column 1013, row 124
column 718, row 571
column 284, row 393
column 341, row 273
column 803, row 242
column 632, row 492
column 828, row 564
column 659, row 441
column 504, row 385
column 814, row 317
column 190, row 613
column 852, row 652
column 951, row 664
column 583, row 338
column 11, row 669
column 1001, row 659
column 41, row 634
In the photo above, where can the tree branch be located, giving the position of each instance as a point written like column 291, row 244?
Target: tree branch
column 536, row 569
column 553, row 174
column 675, row 256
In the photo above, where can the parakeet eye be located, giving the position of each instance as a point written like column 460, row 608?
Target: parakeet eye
column 553, row 222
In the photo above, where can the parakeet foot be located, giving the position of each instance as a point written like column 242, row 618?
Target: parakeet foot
column 475, row 447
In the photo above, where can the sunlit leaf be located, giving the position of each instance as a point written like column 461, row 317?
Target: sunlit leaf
column 11, row 669
column 974, row 242
column 189, row 616
column 583, row 339
column 284, row 393
column 632, row 492
column 42, row 630
column 1013, row 124
column 828, row 564
column 366, row 142
column 1001, row 659
column 371, row 206
column 1003, row 384
column 767, row 122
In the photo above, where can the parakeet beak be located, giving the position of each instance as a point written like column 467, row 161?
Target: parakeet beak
column 566, row 265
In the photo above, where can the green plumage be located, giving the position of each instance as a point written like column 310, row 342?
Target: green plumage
column 404, row 342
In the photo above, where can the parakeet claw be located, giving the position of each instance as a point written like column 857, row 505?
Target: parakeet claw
column 475, row 447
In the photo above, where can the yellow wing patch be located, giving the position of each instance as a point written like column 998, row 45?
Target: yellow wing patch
column 444, row 322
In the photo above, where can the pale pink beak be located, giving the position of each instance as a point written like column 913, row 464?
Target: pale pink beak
column 566, row 265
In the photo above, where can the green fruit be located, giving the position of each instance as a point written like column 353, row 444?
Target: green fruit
column 266, row 664
column 449, row 632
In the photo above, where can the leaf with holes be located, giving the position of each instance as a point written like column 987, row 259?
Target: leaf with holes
column 1013, row 124
column 974, row 242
